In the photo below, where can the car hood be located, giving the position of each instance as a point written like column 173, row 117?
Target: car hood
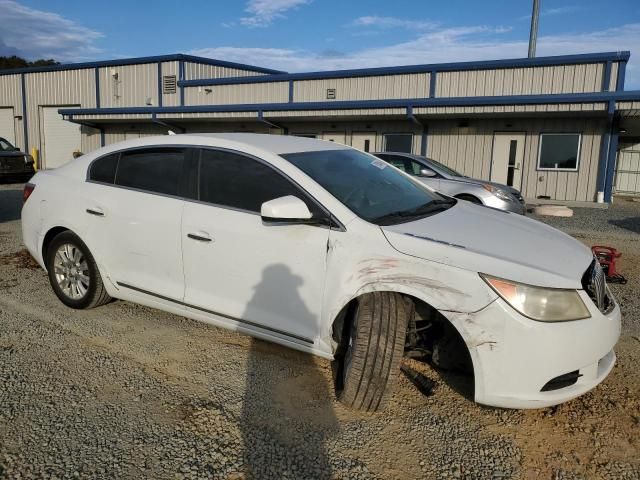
column 486, row 240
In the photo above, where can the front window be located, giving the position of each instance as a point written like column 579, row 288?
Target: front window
column 398, row 142
column 368, row 187
column 559, row 151
column 443, row 168
column 5, row 146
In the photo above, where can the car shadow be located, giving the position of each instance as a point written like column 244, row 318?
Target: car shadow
column 10, row 204
column 630, row 223
column 287, row 410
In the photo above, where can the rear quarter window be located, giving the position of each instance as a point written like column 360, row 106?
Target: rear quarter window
column 104, row 169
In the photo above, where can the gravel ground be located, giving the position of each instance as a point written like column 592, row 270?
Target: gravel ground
column 125, row 391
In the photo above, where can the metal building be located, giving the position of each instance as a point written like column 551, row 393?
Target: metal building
column 551, row 126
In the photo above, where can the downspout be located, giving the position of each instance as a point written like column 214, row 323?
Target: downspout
column 609, row 139
column 424, row 138
column 271, row 124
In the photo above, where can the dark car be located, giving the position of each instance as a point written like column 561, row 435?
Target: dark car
column 14, row 164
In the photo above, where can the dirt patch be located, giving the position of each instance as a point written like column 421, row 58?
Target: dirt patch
column 21, row 259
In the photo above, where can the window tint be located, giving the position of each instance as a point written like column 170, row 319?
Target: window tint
column 154, row 170
column 415, row 167
column 397, row 162
column 559, row 151
column 5, row 146
column 233, row 180
column 398, row 142
column 104, row 169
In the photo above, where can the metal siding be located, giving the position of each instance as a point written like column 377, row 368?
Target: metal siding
column 277, row 92
column 135, row 84
column 364, row 88
column 469, row 149
column 627, row 178
column 613, row 81
column 11, row 96
column 170, row 99
column 58, row 88
column 193, row 71
column 581, row 78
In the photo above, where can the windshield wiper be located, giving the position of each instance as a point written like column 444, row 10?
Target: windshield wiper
column 421, row 211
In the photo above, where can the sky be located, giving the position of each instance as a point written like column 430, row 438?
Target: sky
column 311, row 35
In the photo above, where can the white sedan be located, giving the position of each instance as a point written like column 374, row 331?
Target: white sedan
column 329, row 250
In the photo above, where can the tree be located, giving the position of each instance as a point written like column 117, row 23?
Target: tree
column 7, row 63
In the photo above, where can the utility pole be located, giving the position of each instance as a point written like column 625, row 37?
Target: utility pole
column 533, row 34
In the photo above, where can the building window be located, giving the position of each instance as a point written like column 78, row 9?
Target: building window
column 398, row 142
column 559, row 151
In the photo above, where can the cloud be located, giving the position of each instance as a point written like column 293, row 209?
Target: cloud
column 442, row 45
column 550, row 12
column 263, row 12
column 32, row 34
column 392, row 22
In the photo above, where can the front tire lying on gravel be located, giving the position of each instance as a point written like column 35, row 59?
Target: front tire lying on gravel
column 73, row 273
column 374, row 351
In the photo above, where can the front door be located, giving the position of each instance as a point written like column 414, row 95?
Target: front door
column 507, row 158
column 365, row 141
column 60, row 138
column 268, row 278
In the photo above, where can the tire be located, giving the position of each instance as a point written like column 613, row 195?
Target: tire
column 371, row 361
column 91, row 292
column 470, row 198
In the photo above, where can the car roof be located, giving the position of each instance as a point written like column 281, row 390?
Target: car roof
column 273, row 143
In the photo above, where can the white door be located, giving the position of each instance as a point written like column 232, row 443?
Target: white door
column 338, row 137
column 365, row 141
column 266, row 277
column 628, row 168
column 135, row 226
column 7, row 125
column 60, row 138
column 507, row 158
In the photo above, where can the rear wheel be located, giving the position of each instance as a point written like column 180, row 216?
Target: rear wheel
column 73, row 273
column 374, row 351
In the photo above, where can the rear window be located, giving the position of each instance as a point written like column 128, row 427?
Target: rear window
column 104, row 169
column 153, row 170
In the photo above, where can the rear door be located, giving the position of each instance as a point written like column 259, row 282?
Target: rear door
column 134, row 214
column 266, row 277
column 60, row 138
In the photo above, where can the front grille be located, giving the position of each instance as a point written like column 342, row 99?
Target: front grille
column 594, row 283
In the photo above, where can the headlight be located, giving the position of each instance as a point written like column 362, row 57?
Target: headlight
column 538, row 303
column 28, row 159
column 498, row 192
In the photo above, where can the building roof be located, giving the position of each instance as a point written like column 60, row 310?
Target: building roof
column 141, row 60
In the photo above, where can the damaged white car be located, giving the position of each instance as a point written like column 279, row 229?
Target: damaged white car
column 329, row 250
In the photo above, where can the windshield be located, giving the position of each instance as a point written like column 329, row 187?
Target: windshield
column 444, row 168
column 368, row 186
column 5, row 146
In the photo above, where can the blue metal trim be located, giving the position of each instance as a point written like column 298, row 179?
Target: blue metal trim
column 604, row 149
column 25, row 126
column 290, row 91
column 424, row 140
column 97, row 80
column 102, row 138
column 159, row 84
column 442, row 67
column 181, row 77
column 140, row 60
column 364, row 104
column 606, row 79
column 622, row 69
column 611, row 162
column 432, row 84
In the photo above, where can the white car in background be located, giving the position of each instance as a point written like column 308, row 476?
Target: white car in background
column 329, row 250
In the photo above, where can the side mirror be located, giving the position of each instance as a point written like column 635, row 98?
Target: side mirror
column 427, row 172
column 287, row 209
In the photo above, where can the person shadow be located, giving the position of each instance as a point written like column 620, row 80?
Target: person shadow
column 287, row 411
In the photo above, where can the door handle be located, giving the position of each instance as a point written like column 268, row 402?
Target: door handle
column 200, row 236
column 95, row 211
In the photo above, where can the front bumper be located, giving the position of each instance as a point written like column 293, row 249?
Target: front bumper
column 515, row 357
